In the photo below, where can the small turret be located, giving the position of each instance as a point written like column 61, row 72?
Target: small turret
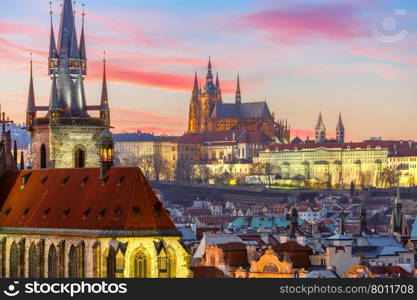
column 106, row 152
column 53, row 53
column 83, row 52
column 54, row 107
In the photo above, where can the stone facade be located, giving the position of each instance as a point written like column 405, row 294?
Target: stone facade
column 95, row 255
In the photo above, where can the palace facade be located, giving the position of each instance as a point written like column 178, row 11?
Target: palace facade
column 208, row 112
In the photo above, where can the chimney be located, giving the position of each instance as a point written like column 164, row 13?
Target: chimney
column 106, row 153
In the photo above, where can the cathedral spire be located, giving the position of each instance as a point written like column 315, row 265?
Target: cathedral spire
column 238, row 92
column 67, row 38
column 195, row 88
column 31, row 108
column 52, row 44
column 54, row 99
column 320, row 131
column 104, row 104
column 83, row 54
column 340, row 130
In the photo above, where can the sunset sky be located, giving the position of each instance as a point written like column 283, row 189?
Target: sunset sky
column 303, row 56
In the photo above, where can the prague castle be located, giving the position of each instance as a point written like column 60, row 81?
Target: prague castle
column 208, row 112
column 65, row 135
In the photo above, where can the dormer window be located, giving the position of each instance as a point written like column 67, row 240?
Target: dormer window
column 120, row 180
column 8, row 211
column 66, row 213
column 101, row 214
column 117, row 212
column 44, row 180
column 25, row 179
column 135, row 212
column 65, row 180
column 46, row 212
column 26, row 211
column 86, row 213
column 84, row 181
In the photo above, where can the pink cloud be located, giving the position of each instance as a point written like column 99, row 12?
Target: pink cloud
column 133, row 120
column 380, row 54
column 333, row 22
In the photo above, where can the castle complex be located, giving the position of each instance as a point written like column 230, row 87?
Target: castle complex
column 66, row 135
column 208, row 112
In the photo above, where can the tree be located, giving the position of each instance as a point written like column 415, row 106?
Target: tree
column 159, row 165
column 185, row 171
column 145, row 164
column 390, row 176
column 203, row 173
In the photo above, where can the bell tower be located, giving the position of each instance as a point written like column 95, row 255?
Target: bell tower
column 65, row 135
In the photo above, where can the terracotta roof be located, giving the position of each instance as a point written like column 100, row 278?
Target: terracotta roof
column 207, row 272
column 200, row 231
column 190, row 138
column 395, row 271
column 65, row 199
column 298, row 254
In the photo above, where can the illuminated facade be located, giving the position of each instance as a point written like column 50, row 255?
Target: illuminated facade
column 208, row 112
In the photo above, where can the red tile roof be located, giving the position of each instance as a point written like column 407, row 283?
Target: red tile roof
column 392, row 271
column 76, row 199
column 298, row 254
column 207, row 272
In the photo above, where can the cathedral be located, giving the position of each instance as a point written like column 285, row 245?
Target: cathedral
column 64, row 134
column 208, row 112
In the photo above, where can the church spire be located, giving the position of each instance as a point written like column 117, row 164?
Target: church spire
column 83, row 53
column 31, row 108
column 195, row 88
column 104, row 104
column 238, row 92
column 320, row 131
column 52, row 44
column 67, row 45
column 340, row 130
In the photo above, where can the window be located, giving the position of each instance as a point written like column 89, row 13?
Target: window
column 14, row 261
column 43, row 157
column 111, row 263
column 52, row 262
column 3, row 258
column 141, row 266
column 34, row 262
column 79, row 158
column 73, row 263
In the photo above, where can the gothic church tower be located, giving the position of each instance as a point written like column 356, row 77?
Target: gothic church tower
column 66, row 136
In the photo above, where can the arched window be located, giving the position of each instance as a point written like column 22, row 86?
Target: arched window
column 111, row 263
column 14, row 261
column 163, row 265
column 73, row 263
column 79, row 158
column 141, row 266
column 21, row 252
column 43, row 156
column 52, row 262
column 34, row 263
column 61, row 259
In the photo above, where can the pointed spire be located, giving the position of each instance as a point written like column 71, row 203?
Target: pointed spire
column 238, row 92
column 104, row 105
column 104, row 96
column 209, row 76
column 83, row 54
column 31, row 95
column 217, row 81
column 52, row 44
column 340, row 123
column 320, row 123
column 398, row 198
column 195, row 88
column 67, row 40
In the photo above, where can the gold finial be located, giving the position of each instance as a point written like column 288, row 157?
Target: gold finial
column 50, row 8
column 83, row 14
column 104, row 56
column 75, row 2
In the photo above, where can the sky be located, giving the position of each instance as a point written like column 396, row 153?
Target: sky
column 303, row 56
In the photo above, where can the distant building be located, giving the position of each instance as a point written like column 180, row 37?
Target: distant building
column 208, row 112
